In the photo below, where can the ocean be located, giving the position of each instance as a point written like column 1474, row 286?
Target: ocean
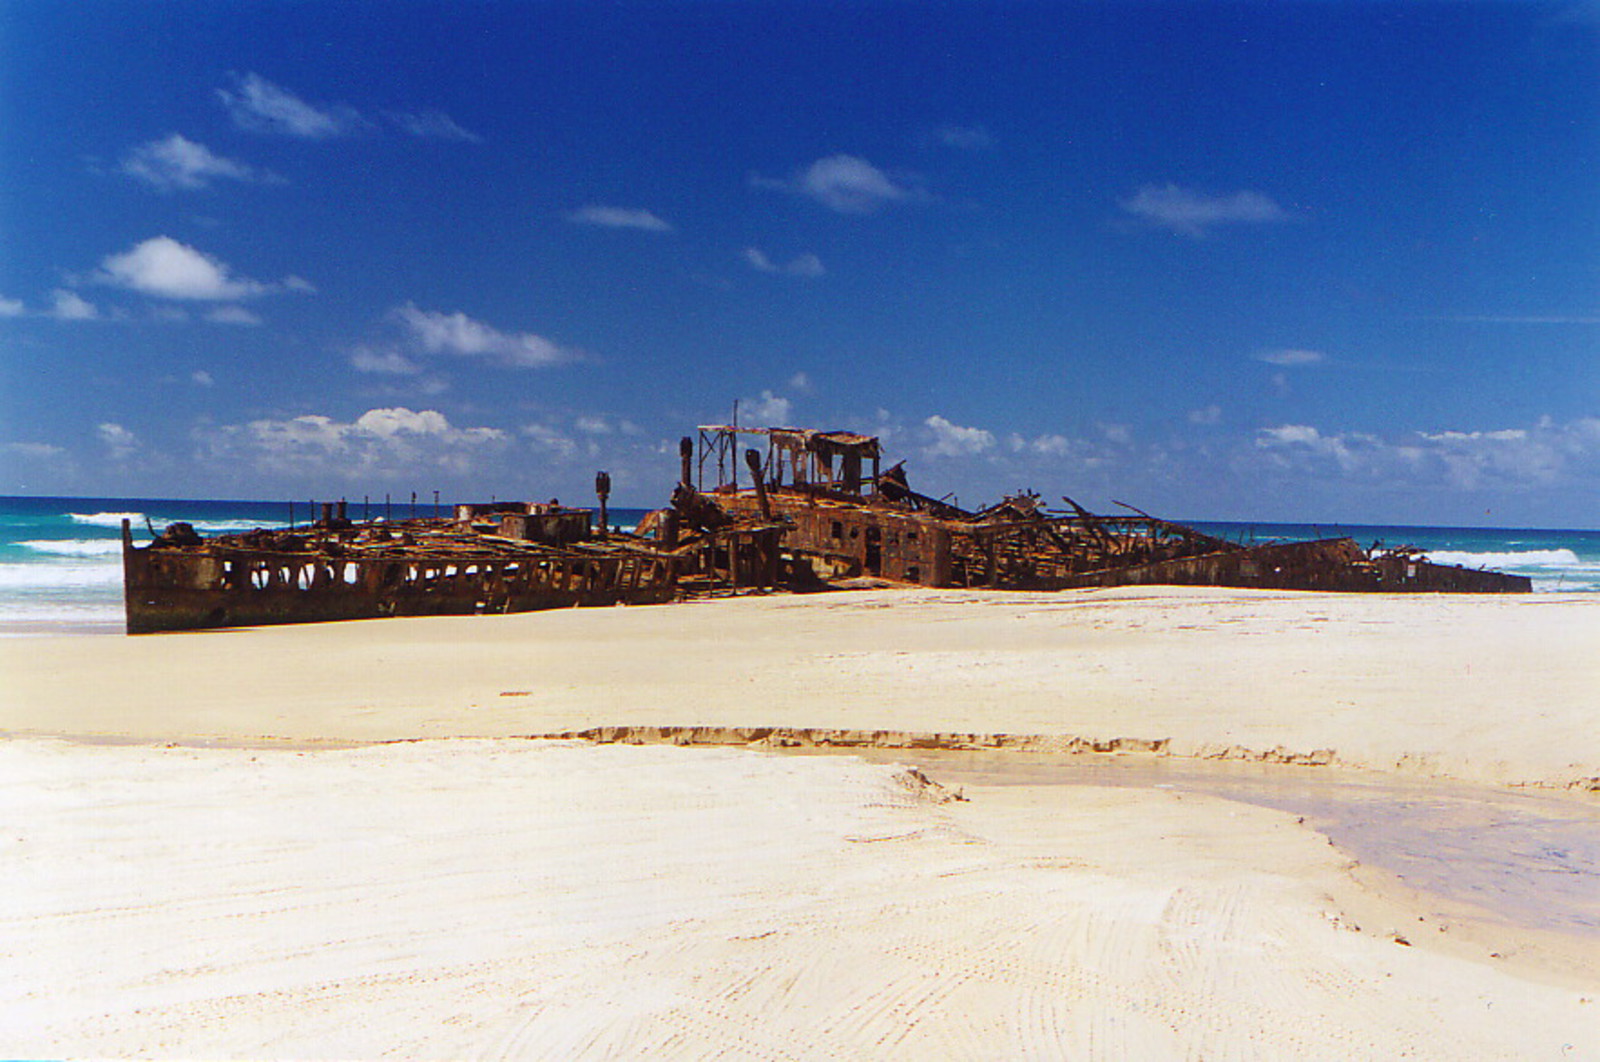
column 61, row 570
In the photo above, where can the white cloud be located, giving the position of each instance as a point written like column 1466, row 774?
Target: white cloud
column 953, row 440
column 800, row 382
column 1051, row 445
column 383, row 361
column 180, row 163
column 805, row 265
column 11, row 307
column 456, row 333
column 845, row 183
column 33, row 451
column 769, row 410
column 163, row 267
column 1509, row 459
column 1117, row 434
column 610, row 217
column 1191, row 213
column 1290, row 357
column 381, row 443
column 431, row 125
column 1041, row 445
column 1206, row 416
column 119, row 440
column 550, row 440
column 201, row 378
column 232, row 315
column 259, row 106
column 69, row 306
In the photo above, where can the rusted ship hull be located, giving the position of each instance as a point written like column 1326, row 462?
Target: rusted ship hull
column 220, row 585
column 844, row 521
column 818, row 509
column 1338, row 565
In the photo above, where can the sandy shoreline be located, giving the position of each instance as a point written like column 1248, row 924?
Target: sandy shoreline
column 492, row 898
column 1490, row 689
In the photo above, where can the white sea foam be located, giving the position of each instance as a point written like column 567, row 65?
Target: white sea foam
column 205, row 527
column 46, row 576
column 1533, row 558
column 218, row 527
column 105, row 519
column 75, row 547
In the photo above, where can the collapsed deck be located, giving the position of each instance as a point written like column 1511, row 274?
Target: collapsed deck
column 848, row 518
column 818, row 507
column 484, row 560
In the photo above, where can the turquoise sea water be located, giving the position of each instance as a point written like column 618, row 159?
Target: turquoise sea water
column 60, row 558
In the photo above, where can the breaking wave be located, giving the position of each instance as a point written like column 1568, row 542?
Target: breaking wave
column 56, row 577
column 75, row 547
column 205, row 527
column 105, row 519
column 1533, row 558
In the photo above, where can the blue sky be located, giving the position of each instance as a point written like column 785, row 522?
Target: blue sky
column 1292, row 261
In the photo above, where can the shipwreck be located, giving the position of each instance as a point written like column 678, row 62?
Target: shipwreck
column 811, row 509
column 847, row 516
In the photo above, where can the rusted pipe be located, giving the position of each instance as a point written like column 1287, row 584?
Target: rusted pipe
column 602, row 488
column 753, row 459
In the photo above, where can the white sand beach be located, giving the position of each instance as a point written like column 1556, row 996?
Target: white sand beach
column 281, row 893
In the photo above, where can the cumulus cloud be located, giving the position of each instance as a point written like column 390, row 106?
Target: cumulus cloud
column 805, row 265
column 455, row 333
column 69, row 306
column 201, row 378
column 1191, row 213
column 259, row 106
column 1509, row 459
column 550, row 440
column 233, row 315
column 610, row 217
column 1291, row 357
column 1206, row 416
column 769, row 410
column 1049, row 445
column 119, row 441
column 178, row 163
column 33, row 451
column 431, row 125
column 594, row 424
column 163, row 267
column 953, row 440
column 385, row 361
column 381, row 443
column 845, row 183
column 11, row 307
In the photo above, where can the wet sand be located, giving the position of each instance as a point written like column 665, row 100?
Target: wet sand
column 487, row 897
